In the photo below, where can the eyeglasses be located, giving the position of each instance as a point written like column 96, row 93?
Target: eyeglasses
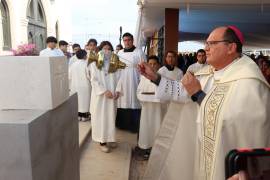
column 212, row 43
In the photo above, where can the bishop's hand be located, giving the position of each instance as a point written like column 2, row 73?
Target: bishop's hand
column 147, row 71
column 191, row 83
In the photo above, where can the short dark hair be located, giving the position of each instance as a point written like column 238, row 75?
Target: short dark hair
column 174, row 54
column 75, row 45
column 127, row 34
column 104, row 43
column 232, row 37
column 51, row 39
column 81, row 54
column 153, row 57
column 92, row 41
column 201, row 51
column 120, row 46
column 63, row 43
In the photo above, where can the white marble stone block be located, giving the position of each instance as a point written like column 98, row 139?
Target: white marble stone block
column 39, row 144
column 33, row 82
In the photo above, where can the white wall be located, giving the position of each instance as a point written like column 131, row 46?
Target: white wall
column 58, row 10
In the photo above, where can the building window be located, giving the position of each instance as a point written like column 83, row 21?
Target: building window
column 37, row 28
column 5, row 26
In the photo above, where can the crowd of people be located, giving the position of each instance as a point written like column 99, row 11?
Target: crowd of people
column 188, row 111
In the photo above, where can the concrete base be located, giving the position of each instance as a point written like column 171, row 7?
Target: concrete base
column 33, row 82
column 40, row 145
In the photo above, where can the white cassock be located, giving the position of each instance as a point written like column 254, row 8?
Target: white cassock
column 103, row 109
column 72, row 60
column 196, row 67
column 80, row 83
column 129, row 79
column 225, row 121
column 151, row 115
column 51, row 52
column 175, row 74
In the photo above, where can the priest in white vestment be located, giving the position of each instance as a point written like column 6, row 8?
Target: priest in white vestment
column 51, row 49
column 129, row 108
column 152, row 112
column 170, row 70
column 79, row 79
column 103, row 99
column 225, row 120
column 201, row 62
column 75, row 48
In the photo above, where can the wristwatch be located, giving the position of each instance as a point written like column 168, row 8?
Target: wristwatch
column 198, row 96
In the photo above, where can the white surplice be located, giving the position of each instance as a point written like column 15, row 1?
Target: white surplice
column 129, row 79
column 196, row 67
column 72, row 60
column 80, row 83
column 51, row 52
column 175, row 74
column 151, row 115
column 103, row 109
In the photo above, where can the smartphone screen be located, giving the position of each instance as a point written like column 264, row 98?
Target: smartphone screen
column 258, row 167
column 255, row 163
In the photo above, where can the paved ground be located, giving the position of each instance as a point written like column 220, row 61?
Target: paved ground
column 84, row 131
column 120, row 164
column 96, row 165
column 137, row 168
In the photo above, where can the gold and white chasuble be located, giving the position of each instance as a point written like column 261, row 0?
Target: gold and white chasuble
column 234, row 114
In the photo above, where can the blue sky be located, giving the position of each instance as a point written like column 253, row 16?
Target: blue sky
column 101, row 19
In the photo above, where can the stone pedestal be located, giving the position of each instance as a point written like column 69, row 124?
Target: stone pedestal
column 40, row 144
column 33, row 82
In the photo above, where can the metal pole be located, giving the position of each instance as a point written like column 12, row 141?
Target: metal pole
column 120, row 38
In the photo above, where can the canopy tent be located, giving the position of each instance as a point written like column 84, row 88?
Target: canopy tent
column 198, row 17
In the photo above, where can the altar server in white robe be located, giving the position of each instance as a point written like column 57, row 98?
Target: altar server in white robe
column 103, row 100
column 80, row 83
column 201, row 62
column 91, row 46
column 179, row 120
column 129, row 108
column 51, row 50
column 75, row 48
column 225, row 121
column 152, row 111
column 170, row 70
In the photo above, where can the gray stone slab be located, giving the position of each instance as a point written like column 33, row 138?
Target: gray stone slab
column 40, row 145
column 33, row 82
